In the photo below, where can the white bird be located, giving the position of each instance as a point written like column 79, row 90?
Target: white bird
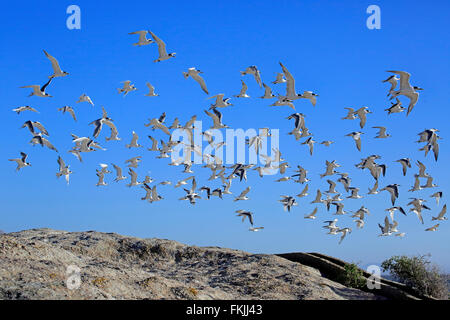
column 331, row 224
column 280, row 78
column 406, row 163
column 127, row 87
column 433, row 228
column 393, row 80
column 63, row 170
column 393, row 190
column 220, row 101
column 437, row 196
column 22, row 161
column 441, row 215
column 395, row 107
column 310, row 142
column 312, row 215
column 311, row 96
column 39, row 139
column 288, row 202
column 304, row 192
column 33, row 125
column 245, row 214
column 255, row 72
column 267, row 92
column 422, row 168
column 194, row 74
column 134, row 143
column 332, row 187
column 184, row 181
column 155, row 196
column 283, row 102
column 386, row 229
column 374, row 189
column 39, row 91
column 351, row 115
column 243, row 195
column 330, row 166
column 99, row 125
column 357, row 137
column 133, row 162
column 24, row 108
column 101, row 179
column 142, row 38
column 119, row 175
column 381, row 133
column 416, row 186
column 256, row 229
column 406, row 89
column 85, row 98
column 133, row 177
column 318, row 198
column 429, row 183
column 217, row 119
column 344, row 232
column 418, row 213
column 392, row 211
column 69, row 110
column 354, row 193
column 339, row 208
column 151, row 89
column 243, row 92
column 327, row 143
column 291, row 94
column 163, row 55
column 57, row 72
column 361, row 113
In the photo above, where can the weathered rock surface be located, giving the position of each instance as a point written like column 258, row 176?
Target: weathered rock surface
column 34, row 265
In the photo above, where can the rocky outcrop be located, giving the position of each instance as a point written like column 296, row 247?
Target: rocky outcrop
column 47, row 264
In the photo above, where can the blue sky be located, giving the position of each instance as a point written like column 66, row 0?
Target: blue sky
column 324, row 44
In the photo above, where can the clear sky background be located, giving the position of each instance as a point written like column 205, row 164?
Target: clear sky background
column 324, row 44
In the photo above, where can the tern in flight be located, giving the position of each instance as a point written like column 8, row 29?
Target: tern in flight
column 22, row 161
column 406, row 89
column 39, row 91
column 85, row 98
column 255, row 72
column 69, row 110
column 194, row 74
column 63, row 170
column 142, row 38
column 243, row 92
column 245, row 214
column 163, row 55
column 24, row 108
column 57, row 72
column 151, row 92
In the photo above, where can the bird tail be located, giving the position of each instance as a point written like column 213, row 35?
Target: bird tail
column 186, row 75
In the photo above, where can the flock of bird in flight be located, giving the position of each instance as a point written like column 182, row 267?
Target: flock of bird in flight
column 389, row 227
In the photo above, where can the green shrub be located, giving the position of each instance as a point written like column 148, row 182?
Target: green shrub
column 352, row 276
column 418, row 273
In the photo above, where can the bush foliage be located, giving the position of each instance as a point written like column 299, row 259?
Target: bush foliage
column 353, row 276
column 418, row 273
